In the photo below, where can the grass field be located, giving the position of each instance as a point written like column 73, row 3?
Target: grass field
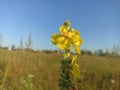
column 40, row 71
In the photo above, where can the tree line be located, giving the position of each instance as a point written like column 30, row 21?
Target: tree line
column 114, row 52
column 28, row 43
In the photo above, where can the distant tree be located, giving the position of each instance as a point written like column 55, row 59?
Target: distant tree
column 115, row 50
column 100, row 52
column 21, row 43
column 0, row 41
column 83, row 52
column 96, row 52
column 13, row 47
column 86, row 52
column 114, row 54
column 29, row 42
column 107, row 52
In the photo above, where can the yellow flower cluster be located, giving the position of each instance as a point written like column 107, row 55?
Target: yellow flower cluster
column 67, row 38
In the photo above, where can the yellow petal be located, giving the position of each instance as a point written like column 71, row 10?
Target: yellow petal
column 60, row 46
column 77, row 43
column 63, row 29
column 71, row 33
column 63, row 43
column 77, row 49
column 81, row 41
column 54, row 38
column 77, row 32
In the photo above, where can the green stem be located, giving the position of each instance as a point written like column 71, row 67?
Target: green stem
column 65, row 81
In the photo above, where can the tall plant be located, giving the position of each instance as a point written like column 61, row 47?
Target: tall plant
column 29, row 42
column 66, row 40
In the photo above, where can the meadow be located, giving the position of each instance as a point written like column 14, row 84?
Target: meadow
column 21, row 70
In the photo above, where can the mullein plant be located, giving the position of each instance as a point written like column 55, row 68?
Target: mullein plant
column 67, row 40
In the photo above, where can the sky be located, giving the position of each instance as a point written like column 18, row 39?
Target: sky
column 97, row 20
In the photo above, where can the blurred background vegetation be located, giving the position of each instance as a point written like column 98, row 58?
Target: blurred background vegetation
column 39, row 70
column 22, row 68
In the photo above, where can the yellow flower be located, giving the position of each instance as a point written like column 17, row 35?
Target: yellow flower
column 67, row 38
column 54, row 38
column 63, row 29
column 71, row 33
column 62, row 43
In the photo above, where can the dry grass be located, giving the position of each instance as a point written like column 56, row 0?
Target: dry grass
column 40, row 71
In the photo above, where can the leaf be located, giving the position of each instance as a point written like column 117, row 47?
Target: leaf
column 74, row 59
column 76, row 71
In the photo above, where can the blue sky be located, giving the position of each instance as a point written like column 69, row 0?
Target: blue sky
column 97, row 20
